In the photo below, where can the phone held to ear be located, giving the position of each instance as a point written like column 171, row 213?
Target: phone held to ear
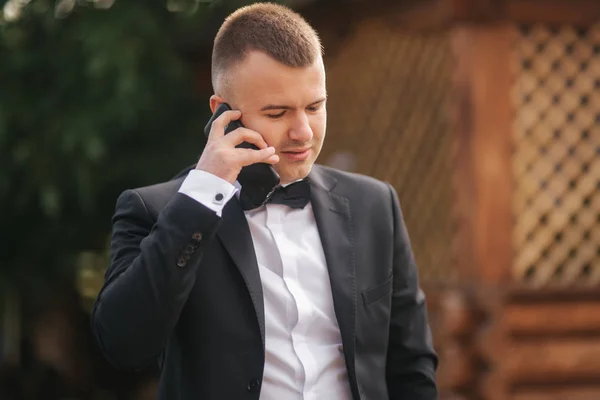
column 259, row 180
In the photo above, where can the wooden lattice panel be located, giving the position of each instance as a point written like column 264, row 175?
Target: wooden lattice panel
column 388, row 95
column 556, row 161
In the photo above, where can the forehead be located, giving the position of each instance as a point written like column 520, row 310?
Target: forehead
column 261, row 79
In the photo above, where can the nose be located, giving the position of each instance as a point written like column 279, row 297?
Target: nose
column 300, row 130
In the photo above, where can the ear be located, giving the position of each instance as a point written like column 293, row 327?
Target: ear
column 215, row 101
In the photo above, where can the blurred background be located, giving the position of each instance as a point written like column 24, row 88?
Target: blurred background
column 484, row 115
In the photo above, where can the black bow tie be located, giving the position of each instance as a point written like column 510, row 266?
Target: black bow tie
column 295, row 195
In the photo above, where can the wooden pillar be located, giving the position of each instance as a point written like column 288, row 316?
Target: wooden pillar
column 483, row 129
column 483, row 187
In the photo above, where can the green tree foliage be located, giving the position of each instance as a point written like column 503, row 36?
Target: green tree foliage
column 91, row 102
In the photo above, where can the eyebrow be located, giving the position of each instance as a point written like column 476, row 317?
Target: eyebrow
column 271, row 107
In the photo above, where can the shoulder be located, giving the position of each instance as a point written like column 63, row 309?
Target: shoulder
column 159, row 194
column 156, row 196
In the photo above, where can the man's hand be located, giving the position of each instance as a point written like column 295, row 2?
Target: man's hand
column 221, row 157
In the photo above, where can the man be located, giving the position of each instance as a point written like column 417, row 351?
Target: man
column 318, row 300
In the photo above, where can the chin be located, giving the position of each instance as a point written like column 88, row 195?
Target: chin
column 292, row 175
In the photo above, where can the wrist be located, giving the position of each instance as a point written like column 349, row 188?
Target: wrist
column 229, row 177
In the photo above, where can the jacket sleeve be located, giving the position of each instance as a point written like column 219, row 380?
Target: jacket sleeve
column 151, row 273
column 411, row 360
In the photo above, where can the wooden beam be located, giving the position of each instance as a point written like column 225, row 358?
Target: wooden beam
column 536, row 320
column 547, row 361
column 578, row 392
column 440, row 14
column 577, row 12
column 483, row 129
column 430, row 15
column 477, row 10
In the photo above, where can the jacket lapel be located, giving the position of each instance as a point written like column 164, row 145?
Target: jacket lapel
column 235, row 235
column 334, row 222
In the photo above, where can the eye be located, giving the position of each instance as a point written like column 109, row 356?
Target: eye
column 275, row 116
column 314, row 108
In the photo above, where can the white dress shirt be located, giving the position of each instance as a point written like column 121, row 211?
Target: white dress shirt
column 304, row 357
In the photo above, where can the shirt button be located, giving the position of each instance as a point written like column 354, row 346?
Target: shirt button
column 253, row 385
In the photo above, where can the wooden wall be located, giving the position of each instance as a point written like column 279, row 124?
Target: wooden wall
column 485, row 115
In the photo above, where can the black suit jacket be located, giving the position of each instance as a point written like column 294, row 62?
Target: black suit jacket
column 183, row 288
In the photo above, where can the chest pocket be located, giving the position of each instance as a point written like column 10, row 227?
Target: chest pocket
column 377, row 292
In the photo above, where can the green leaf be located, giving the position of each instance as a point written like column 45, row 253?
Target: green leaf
column 50, row 201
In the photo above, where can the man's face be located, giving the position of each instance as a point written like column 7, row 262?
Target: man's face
column 285, row 105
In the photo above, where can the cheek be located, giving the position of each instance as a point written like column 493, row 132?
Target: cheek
column 269, row 131
column 318, row 126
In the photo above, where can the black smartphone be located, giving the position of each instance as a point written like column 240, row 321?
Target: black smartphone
column 259, row 180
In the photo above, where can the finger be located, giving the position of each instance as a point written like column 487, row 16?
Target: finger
column 274, row 159
column 218, row 126
column 266, row 155
column 246, row 135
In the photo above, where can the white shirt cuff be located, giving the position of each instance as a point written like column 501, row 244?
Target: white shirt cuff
column 208, row 189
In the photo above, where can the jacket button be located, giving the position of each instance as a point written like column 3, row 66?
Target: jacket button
column 253, row 385
column 189, row 249
column 197, row 236
column 181, row 262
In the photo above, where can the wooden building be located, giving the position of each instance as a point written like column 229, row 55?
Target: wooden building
column 485, row 116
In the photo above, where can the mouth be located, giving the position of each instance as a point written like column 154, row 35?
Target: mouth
column 296, row 154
